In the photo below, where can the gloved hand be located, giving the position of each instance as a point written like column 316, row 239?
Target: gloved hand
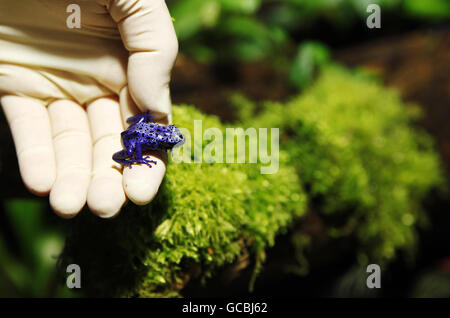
column 66, row 94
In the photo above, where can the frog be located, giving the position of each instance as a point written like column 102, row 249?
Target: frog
column 144, row 134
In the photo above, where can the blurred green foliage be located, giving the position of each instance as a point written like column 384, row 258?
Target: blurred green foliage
column 352, row 284
column 30, row 269
column 311, row 56
column 430, row 9
column 432, row 284
column 248, row 30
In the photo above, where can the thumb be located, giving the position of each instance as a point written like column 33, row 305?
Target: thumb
column 148, row 34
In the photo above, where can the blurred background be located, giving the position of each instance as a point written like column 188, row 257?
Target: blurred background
column 274, row 50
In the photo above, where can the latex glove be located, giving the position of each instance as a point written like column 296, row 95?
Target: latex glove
column 66, row 94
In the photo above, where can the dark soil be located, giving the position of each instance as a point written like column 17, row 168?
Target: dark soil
column 209, row 87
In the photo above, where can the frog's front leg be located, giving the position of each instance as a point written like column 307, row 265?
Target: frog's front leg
column 139, row 159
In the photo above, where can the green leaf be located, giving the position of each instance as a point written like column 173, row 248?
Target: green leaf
column 310, row 56
column 25, row 217
column 251, row 39
column 241, row 6
column 193, row 15
column 433, row 9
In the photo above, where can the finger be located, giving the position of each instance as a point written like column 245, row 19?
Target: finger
column 30, row 128
column 141, row 183
column 148, row 34
column 128, row 108
column 73, row 150
column 105, row 195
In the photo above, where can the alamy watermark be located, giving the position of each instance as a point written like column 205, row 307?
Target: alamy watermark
column 73, row 21
column 374, row 279
column 235, row 146
column 74, row 279
column 374, row 19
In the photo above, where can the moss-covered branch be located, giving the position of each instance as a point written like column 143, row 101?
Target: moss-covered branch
column 346, row 140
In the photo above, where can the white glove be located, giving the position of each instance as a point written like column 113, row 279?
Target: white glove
column 66, row 94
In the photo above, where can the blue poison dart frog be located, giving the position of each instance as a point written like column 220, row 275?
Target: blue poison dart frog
column 144, row 135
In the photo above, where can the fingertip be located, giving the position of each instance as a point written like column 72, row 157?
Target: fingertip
column 38, row 172
column 37, row 185
column 106, row 197
column 40, row 190
column 30, row 128
column 153, row 95
column 141, row 183
column 68, row 195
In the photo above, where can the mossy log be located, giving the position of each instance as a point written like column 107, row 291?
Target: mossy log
column 346, row 143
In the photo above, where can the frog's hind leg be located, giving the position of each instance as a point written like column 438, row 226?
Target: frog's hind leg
column 123, row 158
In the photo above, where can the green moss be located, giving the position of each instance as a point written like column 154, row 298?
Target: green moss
column 355, row 150
column 204, row 216
column 347, row 141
